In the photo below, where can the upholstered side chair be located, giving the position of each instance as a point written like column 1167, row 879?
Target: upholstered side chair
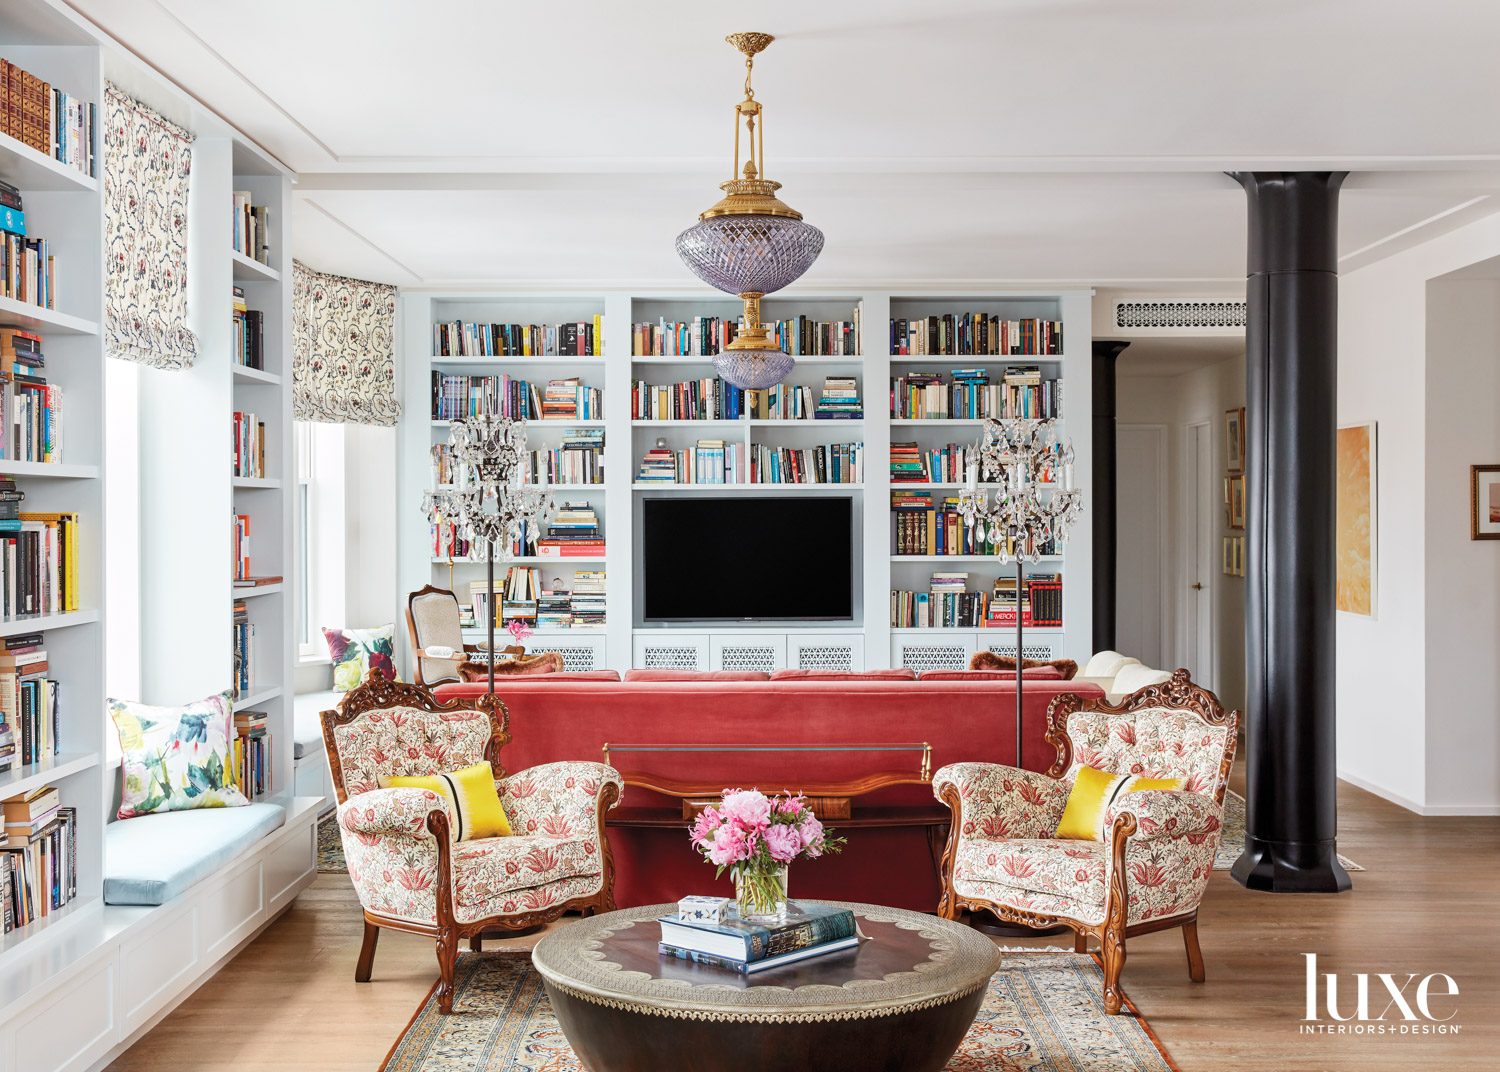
column 1149, row 872
column 407, row 868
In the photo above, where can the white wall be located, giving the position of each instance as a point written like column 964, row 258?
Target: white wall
column 1387, row 671
column 370, row 597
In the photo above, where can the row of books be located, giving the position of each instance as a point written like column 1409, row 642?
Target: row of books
column 249, row 445
column 251, row 755
column 739, row 946
column 715, row 461
column 960, row 334
column 39, row 861
column 579, row 460
column 28, row 271
column 705, row 336
column 840, row 399
column 573, row 532
column 708, row 399
column 938, row 609
column 38, row 561
column 1040, row 602
column 925, row 524
column 244, row 649
column 463, row 338
column 29, row 702
column 948, row 603
column 252, row 228
column 1020, row 394
column 30, row 417
column 39, row 114
column 580, row 606
column 565, row 399
column 249, row 333
column 910, row 464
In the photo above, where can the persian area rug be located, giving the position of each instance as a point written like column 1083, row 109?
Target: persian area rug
column 1044, row 1013
column 1232, row 840
column 330, row 845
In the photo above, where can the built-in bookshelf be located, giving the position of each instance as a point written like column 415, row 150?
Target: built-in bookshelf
column 669, row 413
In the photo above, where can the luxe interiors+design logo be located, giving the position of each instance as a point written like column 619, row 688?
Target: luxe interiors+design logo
column 1386, row 1007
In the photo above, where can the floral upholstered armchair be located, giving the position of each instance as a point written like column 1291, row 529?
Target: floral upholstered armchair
column 411, row 873
column 1149, row 871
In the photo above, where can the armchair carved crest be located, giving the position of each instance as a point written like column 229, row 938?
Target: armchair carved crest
column 1149, row 871
column 411, row 873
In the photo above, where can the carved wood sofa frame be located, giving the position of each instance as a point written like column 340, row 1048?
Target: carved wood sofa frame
column 1177, row 694
column 377, row 694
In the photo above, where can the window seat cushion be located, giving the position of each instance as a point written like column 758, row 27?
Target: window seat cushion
column 151, row 859
column 307, row 721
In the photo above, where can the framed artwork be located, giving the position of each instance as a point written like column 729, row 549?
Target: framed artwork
column 1234, row 436
column 1228, row 566
column 1236, row 502
column 1354, row 528
column 1239, row 556
column 1484, row 502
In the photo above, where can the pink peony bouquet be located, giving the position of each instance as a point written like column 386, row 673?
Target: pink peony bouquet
column 756, row 836
column 518, row 630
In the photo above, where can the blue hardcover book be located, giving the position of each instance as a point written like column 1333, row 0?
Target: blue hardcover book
column 749, row 967
column 806, row 925
column 12, row 220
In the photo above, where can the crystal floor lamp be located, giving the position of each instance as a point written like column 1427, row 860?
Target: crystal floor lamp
column 488, row 504
column 1034, row 506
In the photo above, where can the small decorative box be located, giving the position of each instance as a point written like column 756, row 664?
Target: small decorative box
column 703, row 909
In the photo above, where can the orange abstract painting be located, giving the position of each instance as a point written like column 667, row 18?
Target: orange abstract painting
column 1356, row 519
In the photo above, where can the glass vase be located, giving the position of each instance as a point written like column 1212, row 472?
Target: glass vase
column 760, row 893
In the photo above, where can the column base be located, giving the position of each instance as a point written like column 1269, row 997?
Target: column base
column 1290, row 867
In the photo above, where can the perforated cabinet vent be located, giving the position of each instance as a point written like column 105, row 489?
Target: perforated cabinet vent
column 1180, row 314
column 1032, row 651
column 577, row 659
column 748, row 657
column 921, row 657
column 667, row 657
column 825, row 657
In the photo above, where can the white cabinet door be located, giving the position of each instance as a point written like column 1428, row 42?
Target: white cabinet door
column 579, row 653
column 825, row 651
column 941, row 651
column 748, row 651
column 671, row 651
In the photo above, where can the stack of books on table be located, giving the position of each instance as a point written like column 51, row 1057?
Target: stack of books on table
column 733, row 944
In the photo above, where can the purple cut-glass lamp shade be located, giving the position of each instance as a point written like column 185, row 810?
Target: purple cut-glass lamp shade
column 753, row 370
column 749, row 254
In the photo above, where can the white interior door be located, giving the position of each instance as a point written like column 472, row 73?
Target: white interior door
column 1141, row 511
column 1200, row 562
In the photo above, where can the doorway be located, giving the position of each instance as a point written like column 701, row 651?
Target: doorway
column 1200, row 558
column 1141, row 544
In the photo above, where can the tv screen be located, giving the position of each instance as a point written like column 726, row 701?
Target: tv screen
column 752, row 558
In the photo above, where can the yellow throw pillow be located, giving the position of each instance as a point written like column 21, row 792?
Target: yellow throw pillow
column 473, row 803
column 1093, row 793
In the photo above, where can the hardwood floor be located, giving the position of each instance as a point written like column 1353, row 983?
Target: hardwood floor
column 1427, row 904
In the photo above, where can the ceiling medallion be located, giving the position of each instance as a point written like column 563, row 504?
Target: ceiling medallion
column 750, row 243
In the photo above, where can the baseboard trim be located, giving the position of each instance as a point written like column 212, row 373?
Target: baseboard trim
column 1413, row 806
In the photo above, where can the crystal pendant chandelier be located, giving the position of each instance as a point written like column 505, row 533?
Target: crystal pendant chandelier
column 750, row 243
column 489, row 505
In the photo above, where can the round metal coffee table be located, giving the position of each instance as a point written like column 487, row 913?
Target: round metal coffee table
column 901, row 1001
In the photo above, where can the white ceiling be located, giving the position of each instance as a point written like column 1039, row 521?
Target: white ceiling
column 565, row 143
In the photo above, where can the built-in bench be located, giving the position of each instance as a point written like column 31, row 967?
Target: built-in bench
column 151, row 859
column 310, row 773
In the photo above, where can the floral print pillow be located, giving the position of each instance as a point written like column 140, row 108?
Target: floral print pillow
column 355, row 652
column 176, row 758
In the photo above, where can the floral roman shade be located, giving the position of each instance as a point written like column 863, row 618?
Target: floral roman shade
column 343, row 368
column 147, row 163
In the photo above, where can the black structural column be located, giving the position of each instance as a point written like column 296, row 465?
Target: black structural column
column 1291, row 377
column 1104, row 506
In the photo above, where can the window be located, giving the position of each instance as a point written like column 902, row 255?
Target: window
column 319, row 534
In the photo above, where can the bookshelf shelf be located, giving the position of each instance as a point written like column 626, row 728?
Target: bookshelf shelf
column 49, row 470
column 262, row 590
column 243, row 374
column 255, row 482
column 254, row 699
column 24, row 778
column 55, row 922
column 250, row 270
column 31, row 623
column 18, row 314
column 25, row 167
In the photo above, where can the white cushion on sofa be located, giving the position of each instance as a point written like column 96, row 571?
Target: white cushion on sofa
column 1107, row 664
column 1134, row 676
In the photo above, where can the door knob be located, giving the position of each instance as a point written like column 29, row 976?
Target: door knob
column 1197, row 587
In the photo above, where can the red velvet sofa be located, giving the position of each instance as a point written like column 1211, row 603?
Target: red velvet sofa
column 895, row 833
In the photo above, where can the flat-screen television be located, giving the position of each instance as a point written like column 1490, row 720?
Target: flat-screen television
column 748, row 558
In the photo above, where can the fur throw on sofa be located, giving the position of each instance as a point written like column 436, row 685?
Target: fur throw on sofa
column 988, row 660
column 549, row 662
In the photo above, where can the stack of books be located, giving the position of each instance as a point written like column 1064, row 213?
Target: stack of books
column 579, row 461
column 252, row 753
column 249, row 445
column 947, row 464
column 840, row 399
column 1040, row 602
column 28, row 702
column 810, row 930
column 244, row 649
column 249, row 333
column 570, row 400
column 709, row 461
column 39, row 860
column 554, row 609
column 462, row 338
column 38, row 561
column 27, row 271
column 572, row 533
column 588, row 599
column 30, row 407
